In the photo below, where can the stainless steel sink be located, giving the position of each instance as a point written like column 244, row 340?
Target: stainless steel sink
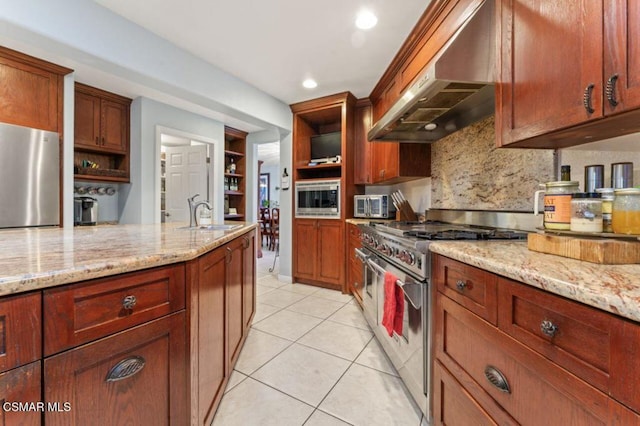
column 212, row 227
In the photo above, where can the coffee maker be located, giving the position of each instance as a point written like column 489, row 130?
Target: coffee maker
column 85, row 211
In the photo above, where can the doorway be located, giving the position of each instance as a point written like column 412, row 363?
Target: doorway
column 186, row 169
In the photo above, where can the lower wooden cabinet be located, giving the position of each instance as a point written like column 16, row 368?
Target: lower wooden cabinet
column 136, row 376
column 318, row 255
column 354, row 265
column 249, row 279
column 510, row 373
column 20, row 394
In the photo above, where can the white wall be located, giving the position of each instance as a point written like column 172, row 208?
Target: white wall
column 139, row 201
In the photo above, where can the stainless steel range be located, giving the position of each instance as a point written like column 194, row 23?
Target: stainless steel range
column 402, row 249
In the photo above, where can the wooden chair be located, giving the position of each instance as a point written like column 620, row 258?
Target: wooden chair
column 265, row 226
column 275, row 228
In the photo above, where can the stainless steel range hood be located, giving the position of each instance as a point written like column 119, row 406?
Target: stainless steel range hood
column 455, row 89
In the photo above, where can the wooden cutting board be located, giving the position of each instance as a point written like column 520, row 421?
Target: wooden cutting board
column 596, row 250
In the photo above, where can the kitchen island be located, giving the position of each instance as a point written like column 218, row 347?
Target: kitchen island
column 96, row 317
column 553, row 339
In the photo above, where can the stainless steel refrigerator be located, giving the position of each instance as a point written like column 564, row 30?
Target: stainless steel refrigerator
column 29, row 177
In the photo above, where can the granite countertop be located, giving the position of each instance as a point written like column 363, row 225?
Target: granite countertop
column 37, row 258
column 612, row 288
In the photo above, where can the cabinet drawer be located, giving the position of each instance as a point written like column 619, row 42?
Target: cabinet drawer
column 20, row 330
column 84, row 312
column 537, row 391
column 592, row 344
column 21, row 385
column 471, row 287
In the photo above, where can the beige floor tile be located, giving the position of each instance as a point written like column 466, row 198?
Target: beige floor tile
column 302, row 372
column 270, row 281
column 235, row 379
column 258, row 349
column 253, row 403
column 350, row 315
column 263, row 289
column 299, row 288
column 287, row 324
column 333, row 295
column 316, row 306
column 280, row 298
column 368, row 397
column 320, row 418
column 373, row 356
column 337, row 339
column 263, row 311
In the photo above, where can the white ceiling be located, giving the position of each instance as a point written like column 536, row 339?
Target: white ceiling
column 276, row 44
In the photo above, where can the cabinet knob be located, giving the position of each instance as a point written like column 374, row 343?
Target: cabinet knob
column 549, row 328
column 610, row 90
column 126, row 368
column 586, row 98
column 497, row 379
column 461, row 285
column 129, row 302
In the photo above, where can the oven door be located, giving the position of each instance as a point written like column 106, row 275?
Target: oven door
column 409, row 353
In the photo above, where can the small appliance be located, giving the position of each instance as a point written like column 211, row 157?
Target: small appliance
column 373, row 206
column 85, row 211
column 318, row 199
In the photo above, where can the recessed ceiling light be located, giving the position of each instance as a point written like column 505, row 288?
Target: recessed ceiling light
column 366, row 20
column 310, row 83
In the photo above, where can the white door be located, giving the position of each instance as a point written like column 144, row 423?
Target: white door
column 186, row 175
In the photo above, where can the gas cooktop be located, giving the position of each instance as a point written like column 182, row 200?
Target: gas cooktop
column 434, row 230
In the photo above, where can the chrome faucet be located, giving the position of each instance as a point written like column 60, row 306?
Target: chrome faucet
column 193, row 207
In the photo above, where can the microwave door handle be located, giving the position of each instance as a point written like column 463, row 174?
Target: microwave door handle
column 367, row 206
column 413, row 291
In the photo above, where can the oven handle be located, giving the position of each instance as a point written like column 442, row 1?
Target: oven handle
column 413, row 291
column 361, row 255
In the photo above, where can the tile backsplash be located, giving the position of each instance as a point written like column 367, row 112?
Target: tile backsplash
column 469, row 172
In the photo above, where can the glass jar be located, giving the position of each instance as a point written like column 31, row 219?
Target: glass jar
column 625, row 217
column 607, row 207
column 586, row 212
column 557, row 203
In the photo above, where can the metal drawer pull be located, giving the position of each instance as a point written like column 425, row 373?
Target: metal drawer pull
column 129, row 302
column 548, row 328
column 586, row 98
column 461, row 285
column 125, row 369
column 610, row 91
column 497, row 379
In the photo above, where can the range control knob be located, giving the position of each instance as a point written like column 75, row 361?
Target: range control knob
column 404, row 255
column 412, row 259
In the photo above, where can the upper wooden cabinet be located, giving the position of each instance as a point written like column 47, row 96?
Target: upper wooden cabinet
column 386, row 162
column 101, row 130
column 31, row 91
column 570, row 72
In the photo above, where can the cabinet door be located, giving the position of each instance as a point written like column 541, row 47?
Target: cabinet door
column 249, row 281
column 114, row 126
column 362, row 148
column 87, row 120
column 306, row 248
column 20, row 330
column 331, row 265
column 134, row 377
column 354, row 265
column 234, row 277
column 21, row 385
column 551, row 52
column 622, row 53
column 210, row 325
column 385, row 161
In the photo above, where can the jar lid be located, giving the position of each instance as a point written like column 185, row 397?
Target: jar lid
column 586, row 195
column 627, row 191
column 561, row 183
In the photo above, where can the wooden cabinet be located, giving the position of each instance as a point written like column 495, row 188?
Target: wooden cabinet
column 31, row 91
column 21, row 387
column 589, row 72
column 249, row 257
column 386, row 162
column 234, row 176
column 354, row 265
column 546, row 360
column 320, row 252
column 135, row 376
column 101, row 134
column 20, row 330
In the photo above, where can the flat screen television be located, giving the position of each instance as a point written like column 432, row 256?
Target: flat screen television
column 326, row 145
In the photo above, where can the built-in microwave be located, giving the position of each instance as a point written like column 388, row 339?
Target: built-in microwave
column 376, row 206
column 318, row 199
